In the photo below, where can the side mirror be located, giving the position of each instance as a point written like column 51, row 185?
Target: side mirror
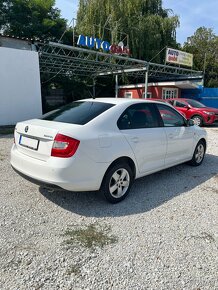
column 187, row 107
column 191, row 122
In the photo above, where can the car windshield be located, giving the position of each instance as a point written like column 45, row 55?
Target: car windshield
column 195, row 104
column 78, row 112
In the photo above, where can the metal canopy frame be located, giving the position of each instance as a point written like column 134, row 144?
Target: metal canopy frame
column 56, row 58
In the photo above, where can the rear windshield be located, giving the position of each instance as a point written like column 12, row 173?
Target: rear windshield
column 78, row 112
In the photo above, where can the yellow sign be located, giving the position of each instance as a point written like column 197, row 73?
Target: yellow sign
column 179, row 57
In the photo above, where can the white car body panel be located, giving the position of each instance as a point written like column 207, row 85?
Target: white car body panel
column 149, row 146
column 101, row 143
column 180, row 141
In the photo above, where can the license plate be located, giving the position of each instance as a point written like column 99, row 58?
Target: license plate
column 29, row 142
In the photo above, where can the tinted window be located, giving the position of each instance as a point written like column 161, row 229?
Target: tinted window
column 78, row 112
column 170, row 102
column 138, row 116
column 180, row 104
column 195, row 104
column 170, row 117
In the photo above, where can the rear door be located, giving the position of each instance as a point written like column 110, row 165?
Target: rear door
column 180, row 137
column 141, row 127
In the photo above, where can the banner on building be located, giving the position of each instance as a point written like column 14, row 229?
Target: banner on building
column 179, row 57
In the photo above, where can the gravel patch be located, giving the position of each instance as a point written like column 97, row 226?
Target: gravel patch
column 163, row 236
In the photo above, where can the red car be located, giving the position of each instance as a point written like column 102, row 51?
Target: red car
column 192, row 109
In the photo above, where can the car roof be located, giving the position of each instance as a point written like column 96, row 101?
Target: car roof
column 117, row 101
column 179, row 99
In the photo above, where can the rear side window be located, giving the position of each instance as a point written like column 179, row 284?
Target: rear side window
column 78, row 112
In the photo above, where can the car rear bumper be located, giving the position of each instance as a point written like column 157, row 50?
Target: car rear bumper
column 36, row 181
column 75, row 174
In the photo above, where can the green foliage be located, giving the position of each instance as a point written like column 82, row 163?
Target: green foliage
column 31, row 19
column 147, row 24
column 204, row 46
column 90, row 237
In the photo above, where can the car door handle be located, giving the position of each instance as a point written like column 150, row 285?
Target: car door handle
column 135, row 139
column 170, row 136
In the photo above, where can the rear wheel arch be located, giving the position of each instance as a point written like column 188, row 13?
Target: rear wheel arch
column 118, row 179
column 121, row 160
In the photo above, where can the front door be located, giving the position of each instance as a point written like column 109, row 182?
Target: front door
column 180, row 137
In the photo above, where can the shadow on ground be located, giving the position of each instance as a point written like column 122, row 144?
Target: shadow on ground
column 147, row 193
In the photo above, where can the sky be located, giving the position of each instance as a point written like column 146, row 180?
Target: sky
column 192, row 14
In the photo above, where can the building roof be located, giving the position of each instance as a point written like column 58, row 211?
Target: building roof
column 56, row 58
column 178, row 84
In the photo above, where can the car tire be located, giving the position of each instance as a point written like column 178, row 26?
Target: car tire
column 198, row 120
column 198, row 155
column 117, row 182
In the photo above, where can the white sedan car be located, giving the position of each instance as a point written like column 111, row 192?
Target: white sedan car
column 104, row 144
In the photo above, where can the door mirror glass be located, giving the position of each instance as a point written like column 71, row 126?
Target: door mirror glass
column 188, row 107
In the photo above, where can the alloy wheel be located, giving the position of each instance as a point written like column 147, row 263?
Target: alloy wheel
column 119, row 183
column 197, row 121
column 199, row 154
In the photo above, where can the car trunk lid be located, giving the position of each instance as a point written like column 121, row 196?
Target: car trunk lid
column 35, row 137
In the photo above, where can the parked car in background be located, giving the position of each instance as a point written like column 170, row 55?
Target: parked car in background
column 105, row 144
column 198, row 112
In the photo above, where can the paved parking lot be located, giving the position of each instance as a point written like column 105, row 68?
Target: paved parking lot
column 163, row 236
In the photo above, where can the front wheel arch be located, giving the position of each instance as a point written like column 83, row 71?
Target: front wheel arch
column 198, row 116
column 193, row 161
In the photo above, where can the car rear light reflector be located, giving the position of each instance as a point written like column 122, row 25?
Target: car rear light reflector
column 64, row 146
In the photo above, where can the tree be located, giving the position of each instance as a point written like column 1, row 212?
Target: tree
column 31, row 19
column 147, row 24
column 204, row 46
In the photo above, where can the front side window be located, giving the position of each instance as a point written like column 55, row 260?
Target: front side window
column 180, row 104
column 78, row 112
column 170, row 117
column 138, row 116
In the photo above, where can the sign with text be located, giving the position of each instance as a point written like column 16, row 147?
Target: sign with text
column 179, row 57
column 96, row 43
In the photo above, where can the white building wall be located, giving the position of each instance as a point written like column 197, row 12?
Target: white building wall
column 20, row 89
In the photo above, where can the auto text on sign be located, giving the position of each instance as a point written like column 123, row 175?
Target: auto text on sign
column 179, row 57
column 96, row 43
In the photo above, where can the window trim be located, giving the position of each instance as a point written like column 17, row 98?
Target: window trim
column 148, row 93
column 170, row 89
column 128, row 93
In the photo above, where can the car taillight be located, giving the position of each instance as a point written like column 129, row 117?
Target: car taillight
column 64, row 146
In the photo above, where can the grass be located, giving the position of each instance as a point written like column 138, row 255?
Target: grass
column 6, row 130
column 90, row 236
column 74, row 269
column 2, row 157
